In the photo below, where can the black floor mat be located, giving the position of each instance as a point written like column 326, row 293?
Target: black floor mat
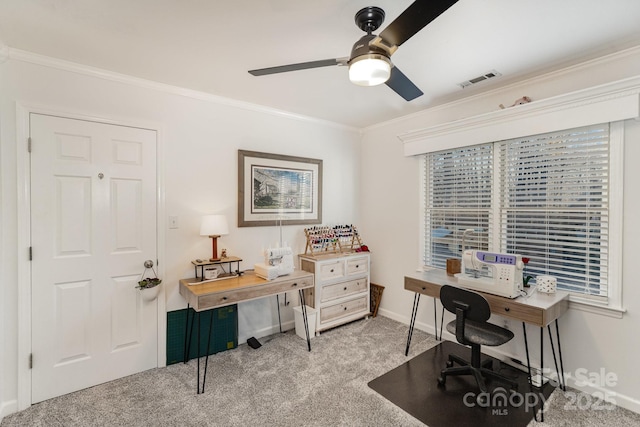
column 413, row 387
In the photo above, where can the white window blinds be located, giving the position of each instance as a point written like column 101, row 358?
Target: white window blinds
column 458, row 196
column 554, row 197
column 545, row 197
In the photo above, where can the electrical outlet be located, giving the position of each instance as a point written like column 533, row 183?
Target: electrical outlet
column 173, row 221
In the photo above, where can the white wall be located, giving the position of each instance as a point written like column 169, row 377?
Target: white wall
column 589, row 341
column 372, row 185
column 200, row 139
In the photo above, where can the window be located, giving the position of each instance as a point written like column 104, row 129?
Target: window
column 458, row 186
column 546, row 197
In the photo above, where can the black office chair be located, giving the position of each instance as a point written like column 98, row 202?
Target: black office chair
column 471, row 328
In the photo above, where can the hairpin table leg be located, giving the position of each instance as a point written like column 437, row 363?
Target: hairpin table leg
column 206, row 360
column 416, row 302
column 187, row 336
column 541, row 372
column 441, row 321
column 564, row 384
column 304, row 317
column 278, row 303
column 530, row 377
column 198, row 351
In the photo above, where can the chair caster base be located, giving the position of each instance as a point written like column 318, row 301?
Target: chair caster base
column 482, row 399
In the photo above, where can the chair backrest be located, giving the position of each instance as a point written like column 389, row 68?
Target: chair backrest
column 475, row 306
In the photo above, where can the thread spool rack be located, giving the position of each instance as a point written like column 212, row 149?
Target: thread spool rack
column 328, row 239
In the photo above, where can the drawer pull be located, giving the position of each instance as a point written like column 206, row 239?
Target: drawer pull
column 345, row 308
column 507, row 309
column 357, row 266
column 224, row 298
column 345, row 288
column 332, row 270
column 294, row 285
column 424, row 288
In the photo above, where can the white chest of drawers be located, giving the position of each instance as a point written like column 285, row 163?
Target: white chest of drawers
column 341, row 292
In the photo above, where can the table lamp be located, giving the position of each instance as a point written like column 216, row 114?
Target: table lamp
column 214, row 226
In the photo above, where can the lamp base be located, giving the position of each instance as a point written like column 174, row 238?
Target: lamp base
column 214, row 249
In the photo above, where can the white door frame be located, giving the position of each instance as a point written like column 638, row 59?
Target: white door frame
column 23, row 173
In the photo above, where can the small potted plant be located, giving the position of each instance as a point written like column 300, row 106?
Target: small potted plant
column 150, row 287
column 149, row 282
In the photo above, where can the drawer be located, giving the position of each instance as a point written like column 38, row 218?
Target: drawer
column 514, row 310
column 343, row 289
column 357, row 266
column 220, row 299
column 346, row 308
column 423, row 287
column 331, row 270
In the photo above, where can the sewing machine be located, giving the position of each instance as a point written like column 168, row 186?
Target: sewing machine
column 494, row 273
column 277, row 262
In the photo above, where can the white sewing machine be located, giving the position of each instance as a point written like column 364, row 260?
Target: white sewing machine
column 494, row 273
column 277, row 262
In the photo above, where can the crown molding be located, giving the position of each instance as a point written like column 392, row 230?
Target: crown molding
column 514, row 86
column 25, row 56
column 74, row 67
column 610, row 102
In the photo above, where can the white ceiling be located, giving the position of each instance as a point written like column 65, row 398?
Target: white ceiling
column 209, row 45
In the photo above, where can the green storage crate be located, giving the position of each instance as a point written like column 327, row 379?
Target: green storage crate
column 224, row 332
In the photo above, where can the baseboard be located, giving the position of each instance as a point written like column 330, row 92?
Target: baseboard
column 269, row 330
column 425, row 327
column 602, row 397
column 393, row 315
column 7, row 408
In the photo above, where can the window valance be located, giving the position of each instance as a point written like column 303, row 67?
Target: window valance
column 601, row 104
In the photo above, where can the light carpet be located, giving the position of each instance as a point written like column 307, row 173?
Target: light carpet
column 279, row 384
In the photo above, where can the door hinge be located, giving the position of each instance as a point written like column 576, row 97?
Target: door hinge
column 30, row 360
column 29, row 144
column 30, row 253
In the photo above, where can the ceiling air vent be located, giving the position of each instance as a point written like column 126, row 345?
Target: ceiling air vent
column 491, row 74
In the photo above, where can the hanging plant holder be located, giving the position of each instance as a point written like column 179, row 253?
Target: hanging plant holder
column 150, row 286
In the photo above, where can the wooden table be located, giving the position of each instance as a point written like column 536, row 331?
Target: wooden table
column 207, row 295
column 538, row 309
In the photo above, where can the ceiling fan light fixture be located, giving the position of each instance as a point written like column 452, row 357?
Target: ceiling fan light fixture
column 369, row 70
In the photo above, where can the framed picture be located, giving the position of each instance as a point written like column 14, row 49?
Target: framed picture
column 275, row 189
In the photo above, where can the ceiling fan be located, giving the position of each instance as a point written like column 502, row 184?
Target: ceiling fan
column 369, row 62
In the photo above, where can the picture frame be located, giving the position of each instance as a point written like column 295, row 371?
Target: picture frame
column 275, row 189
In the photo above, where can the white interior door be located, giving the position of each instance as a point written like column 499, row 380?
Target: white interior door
column 93, row 213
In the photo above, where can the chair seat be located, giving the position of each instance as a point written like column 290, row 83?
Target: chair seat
column 482, row 333
column 472, row 328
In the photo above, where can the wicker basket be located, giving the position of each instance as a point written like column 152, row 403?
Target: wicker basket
column 376, row 296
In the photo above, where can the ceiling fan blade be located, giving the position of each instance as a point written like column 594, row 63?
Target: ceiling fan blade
column 402, row 85
column 413, row 19
column 299, row 66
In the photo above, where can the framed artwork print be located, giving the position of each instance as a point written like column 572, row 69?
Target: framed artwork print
column 274, row 189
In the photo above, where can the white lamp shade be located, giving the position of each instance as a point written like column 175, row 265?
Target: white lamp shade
column 369, row 70
column 214, row 225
